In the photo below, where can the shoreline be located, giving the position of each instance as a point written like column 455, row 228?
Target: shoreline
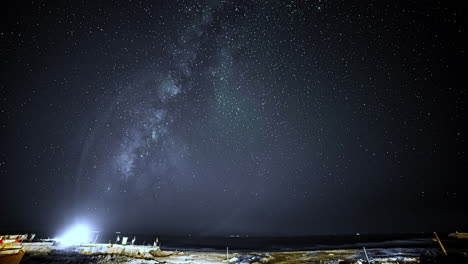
column 398, row 251
column 106, row 254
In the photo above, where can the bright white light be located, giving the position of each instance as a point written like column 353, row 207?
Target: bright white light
column 76, row 235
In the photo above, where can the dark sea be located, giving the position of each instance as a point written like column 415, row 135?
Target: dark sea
column 271, row 244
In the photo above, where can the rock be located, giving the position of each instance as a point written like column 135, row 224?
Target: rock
column 160, row 253
column 233, row 260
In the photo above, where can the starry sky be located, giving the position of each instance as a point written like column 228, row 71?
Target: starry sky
column 218, row 117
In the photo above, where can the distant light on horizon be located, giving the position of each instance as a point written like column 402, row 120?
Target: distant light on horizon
column 76, row 235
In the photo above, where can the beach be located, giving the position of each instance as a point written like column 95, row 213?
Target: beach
column 77, row 255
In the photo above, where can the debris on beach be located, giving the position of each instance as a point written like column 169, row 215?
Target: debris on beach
column 391, row 260
column 250, row 259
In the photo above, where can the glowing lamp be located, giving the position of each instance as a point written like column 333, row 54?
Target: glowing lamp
column 75, row 236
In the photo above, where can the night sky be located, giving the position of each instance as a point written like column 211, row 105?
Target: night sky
column 233, row 117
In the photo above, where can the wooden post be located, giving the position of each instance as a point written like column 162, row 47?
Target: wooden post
column 227, row 253
column 440, row 244
column 365, row 252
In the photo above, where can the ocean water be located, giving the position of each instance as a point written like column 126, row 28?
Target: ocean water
column 302, row 243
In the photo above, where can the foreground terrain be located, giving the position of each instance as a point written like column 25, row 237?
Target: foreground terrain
column 387, row 256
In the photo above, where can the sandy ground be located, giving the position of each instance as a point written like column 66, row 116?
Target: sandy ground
column 167, row 257
column 296, row 257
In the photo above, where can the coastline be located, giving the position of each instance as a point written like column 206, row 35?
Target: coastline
column 48, row 253
column 389, row 252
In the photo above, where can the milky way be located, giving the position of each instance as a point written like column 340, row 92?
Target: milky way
column 222, row 117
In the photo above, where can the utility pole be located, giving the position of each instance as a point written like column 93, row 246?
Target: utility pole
column 440, row 244
column 96, row 238
column 365, row 252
